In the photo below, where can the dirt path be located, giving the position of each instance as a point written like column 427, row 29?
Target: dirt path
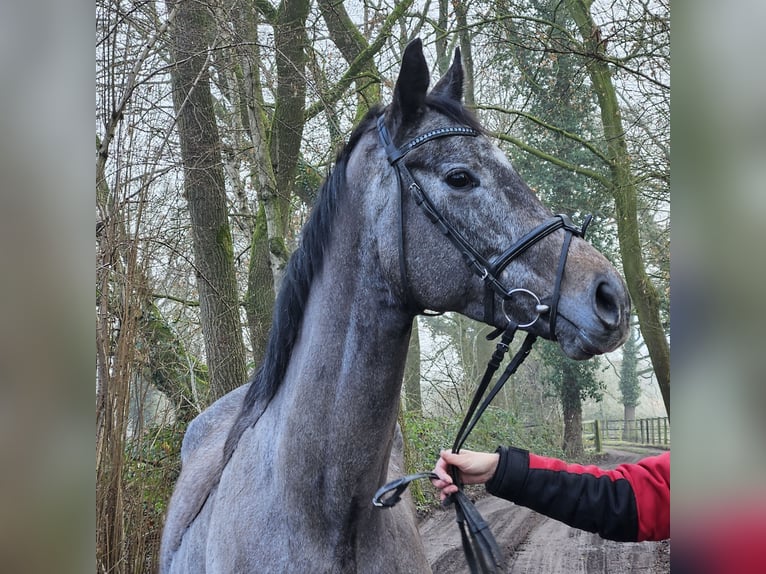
column 534, row 544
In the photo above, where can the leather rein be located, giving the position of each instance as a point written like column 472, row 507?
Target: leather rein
column 481, row 549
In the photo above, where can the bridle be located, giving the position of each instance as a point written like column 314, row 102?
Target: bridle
column 481, row 550
column 489, row 270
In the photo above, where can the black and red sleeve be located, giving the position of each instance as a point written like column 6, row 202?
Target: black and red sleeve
column 628, row 503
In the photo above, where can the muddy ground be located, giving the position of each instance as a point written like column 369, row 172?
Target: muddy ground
column 534, row 544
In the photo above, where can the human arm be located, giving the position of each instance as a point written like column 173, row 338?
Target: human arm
column 628, row 503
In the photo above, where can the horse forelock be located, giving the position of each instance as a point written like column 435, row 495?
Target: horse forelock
column 304, row 264
column 454, row 110
column 442, row 105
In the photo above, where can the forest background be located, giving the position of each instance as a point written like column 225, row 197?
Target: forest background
column 215, row 124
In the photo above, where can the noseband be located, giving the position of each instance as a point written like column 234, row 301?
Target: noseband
column 481, row 550
column 489, row 270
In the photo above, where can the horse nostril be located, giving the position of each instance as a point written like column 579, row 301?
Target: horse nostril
column 607, row 305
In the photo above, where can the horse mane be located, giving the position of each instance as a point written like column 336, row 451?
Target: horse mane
column 304, row 264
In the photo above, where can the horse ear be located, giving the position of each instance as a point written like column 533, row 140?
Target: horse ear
column 412, row 84
column 451, row 84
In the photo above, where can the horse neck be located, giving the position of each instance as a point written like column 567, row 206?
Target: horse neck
column 341, row 390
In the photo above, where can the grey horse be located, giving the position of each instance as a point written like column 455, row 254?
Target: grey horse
column 278, row 475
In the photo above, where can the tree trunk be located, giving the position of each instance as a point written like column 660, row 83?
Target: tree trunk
column 206, row 196
column 169, row 367
column 466, row 52
column 266, row 265
column 259, row 300
column 287, row 126
column 629, row 384
column 442, row 57
column 643, row 294
column 351, row 43
column 629, row 423
column 571, row 404
column 413, row 401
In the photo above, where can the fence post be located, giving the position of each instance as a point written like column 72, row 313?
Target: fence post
column 665, row 425
column 659, row 431
column 597, row 435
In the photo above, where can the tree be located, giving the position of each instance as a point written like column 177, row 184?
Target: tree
column 351, row 43
column 466, row 51
column 554, row 91
column 624, row 190
column 413, row 399
column 268, row 254
column 278, row 165
column 630, row 390
column 118, row 309
column 122, row 278
column 457, row 359
column 573, row 382
column 205, row 193
column 638, row 191
column 169, row 367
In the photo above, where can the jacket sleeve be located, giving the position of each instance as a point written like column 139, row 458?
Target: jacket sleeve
column 629, row 503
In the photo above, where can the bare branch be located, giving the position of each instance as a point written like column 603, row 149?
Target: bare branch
column 594, row 175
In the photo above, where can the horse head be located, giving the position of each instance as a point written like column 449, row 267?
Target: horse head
column 439, row 156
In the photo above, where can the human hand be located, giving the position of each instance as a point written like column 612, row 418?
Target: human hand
column 473, row 468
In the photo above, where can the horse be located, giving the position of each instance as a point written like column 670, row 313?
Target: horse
column 278, row 475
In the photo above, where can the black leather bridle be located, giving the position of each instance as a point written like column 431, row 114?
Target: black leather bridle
column 489, row 270
column 481, row 549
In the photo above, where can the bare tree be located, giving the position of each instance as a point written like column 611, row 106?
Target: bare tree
column 268, row 253
column 206, row 196
column 623, row 187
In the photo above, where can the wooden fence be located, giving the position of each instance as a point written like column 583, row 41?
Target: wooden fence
column 615, row 432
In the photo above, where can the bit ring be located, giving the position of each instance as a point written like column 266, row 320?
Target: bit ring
column 540, row 307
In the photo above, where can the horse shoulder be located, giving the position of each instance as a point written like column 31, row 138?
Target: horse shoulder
column 201, row 467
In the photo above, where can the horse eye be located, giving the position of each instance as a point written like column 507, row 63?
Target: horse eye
column 459, row 179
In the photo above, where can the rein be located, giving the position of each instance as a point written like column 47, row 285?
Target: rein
column 481, row 549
